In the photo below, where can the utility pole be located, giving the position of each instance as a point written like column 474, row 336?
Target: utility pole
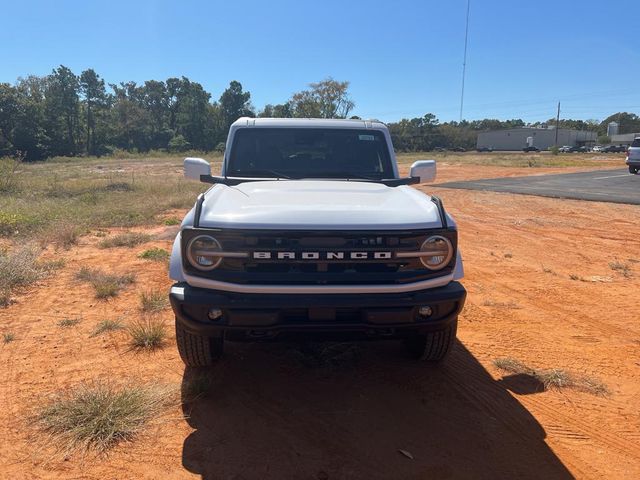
column 464, row 60
column 557, row 124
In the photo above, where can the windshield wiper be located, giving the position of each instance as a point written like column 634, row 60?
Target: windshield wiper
column 258, row 173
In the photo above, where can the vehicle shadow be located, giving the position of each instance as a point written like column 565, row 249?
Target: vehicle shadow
column 357, row 411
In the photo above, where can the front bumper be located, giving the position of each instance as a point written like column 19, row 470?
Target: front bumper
column 251, row 317
column 633, row 162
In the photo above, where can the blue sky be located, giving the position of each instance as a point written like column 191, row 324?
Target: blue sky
column 403, row 58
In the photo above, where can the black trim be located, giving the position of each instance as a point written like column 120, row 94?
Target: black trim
column 443, row 215
column 198, row 212
column 264, row 316
column 232, row 181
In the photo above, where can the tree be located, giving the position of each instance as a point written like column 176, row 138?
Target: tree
column 328, row 98
column 235, row 103
column 95, row 98
column 62, row 107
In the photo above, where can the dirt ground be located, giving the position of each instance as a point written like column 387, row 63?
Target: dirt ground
column 290, row 411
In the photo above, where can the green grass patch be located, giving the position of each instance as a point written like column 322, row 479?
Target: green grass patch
column 172, row 221
column 155, row 254
column 8, row 337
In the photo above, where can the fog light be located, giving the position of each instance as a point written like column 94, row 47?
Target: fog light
column 425, row 311
column 215, row 313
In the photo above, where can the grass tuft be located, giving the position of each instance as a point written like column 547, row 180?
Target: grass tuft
column 623, row 269
column 8, row 337
column 21, row 267
column 153, row 301
column 155, row 254
column 127, row 239
column 62, row 235
column 68, row 322
column 147, row 333
column 106, row 285
column 554, row 378
column 107, row 325
column 98, row 417
column 172, row 221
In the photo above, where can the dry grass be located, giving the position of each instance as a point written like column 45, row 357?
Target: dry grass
column 8, row 337
column 107, row 325
column 554, row 378
column 127, row 239
column 96, row 417
column 63, row 235
column 21, row 267
column 155, row 254
column 95, row 193
column 147, row 333
column 153, row 301
column 493, row 303
column 623, row 269
column 68, row 322
column 106, row 285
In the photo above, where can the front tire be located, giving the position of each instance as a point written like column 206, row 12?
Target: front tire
column 633, row 170
column 198, row 350
column 432, row 346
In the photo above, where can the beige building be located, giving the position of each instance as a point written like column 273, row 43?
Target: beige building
column 542, row 138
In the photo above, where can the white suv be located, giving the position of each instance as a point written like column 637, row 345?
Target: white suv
column 633, row 156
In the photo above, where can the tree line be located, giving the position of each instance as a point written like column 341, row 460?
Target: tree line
column 64, row 114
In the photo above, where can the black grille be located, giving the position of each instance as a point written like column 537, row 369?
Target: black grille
column 319, row 272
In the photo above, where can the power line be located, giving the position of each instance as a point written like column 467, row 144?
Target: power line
column 464, row 60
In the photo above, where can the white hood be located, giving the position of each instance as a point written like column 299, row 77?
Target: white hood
column 318, row 205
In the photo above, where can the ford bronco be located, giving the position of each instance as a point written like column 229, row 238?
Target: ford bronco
column 310, row 232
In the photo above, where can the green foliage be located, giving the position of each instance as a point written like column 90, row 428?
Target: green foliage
column 328, row 98
column 106, row 285
column 554, row 150
column 155, row 254
column 603, row 139
column 126, row 239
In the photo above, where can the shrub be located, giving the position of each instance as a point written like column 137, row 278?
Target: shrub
column 9, row 174
column 155, row 254
column 127, row 239
column 97, row 417
column 153, row 301
column 63, row 235
column 147, row 333
column 8, row 337
column 172, row 221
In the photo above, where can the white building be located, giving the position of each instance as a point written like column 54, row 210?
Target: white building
column 542, row 138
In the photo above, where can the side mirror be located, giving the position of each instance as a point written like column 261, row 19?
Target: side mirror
column 425, row 170
column 194, row 167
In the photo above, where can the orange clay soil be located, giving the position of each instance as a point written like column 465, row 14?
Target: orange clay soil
column 283, row 411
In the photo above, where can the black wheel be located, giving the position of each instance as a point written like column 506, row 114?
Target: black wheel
column 633, row 170
column 198, row 350
column 433, row 346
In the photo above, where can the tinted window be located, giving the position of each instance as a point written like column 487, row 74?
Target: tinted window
column 309, row 153
column 636, row 143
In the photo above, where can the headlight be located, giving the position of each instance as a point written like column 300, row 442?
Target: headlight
column 436, row 252
column 204, row 252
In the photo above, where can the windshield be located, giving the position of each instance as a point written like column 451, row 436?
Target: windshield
column 636, row 143
column 309, row 153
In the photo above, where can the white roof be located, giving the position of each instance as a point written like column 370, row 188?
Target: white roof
column 307, row 123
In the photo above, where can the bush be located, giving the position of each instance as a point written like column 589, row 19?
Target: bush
column 153, row 301
column 107, row 326
column 554, row 150
column 147, row 333
column 155, row 254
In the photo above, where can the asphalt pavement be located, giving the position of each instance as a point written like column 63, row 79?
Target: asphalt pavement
column 615, row 186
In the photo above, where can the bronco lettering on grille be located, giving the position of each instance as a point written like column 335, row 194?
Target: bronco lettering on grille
column 321, row 255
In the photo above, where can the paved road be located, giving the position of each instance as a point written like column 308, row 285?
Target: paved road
column 616, row 186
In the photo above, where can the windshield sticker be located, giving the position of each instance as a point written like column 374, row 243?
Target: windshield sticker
column 369, row 138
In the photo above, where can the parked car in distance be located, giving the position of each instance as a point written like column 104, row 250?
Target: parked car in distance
column 597, row 148
column 633, row 156
column 531, row 149
column 565, row 149
column 484, row 149
column 439, row 149
column 458, row 149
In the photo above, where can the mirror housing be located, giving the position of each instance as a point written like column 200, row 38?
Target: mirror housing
column 425, row 170
column 195, row 167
